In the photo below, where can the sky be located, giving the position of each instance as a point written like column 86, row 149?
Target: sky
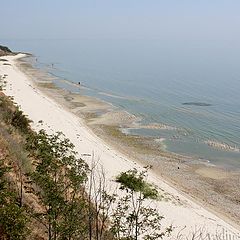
column 146, row 19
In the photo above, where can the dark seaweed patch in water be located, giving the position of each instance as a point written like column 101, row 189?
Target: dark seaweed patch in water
column 201, row 104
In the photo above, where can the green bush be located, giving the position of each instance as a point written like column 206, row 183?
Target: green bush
column 135, row 181
column 60, row 176
column 13, row 115
column 133, row 218
column 20, row 121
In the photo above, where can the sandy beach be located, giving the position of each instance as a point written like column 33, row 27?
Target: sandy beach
column 179, row 208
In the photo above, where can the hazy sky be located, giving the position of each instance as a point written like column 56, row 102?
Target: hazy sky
column 182, row 19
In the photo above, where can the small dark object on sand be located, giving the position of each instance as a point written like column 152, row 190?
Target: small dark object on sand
column 79, row 83
column 200, row 104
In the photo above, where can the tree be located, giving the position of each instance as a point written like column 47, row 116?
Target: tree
column 59, row 177
column 132, row 218
column 100, row 202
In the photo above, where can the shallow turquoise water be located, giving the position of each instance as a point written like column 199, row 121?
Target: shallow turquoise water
column 152, row 79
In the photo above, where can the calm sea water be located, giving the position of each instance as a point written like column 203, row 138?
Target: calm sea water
column 152, row 79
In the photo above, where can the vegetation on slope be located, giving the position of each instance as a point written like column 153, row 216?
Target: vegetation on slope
column 5, row 51
column 48, row 192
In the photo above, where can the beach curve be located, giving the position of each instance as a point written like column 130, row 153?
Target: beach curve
column 39, row 107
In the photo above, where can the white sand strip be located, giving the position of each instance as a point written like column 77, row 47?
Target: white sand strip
column 180, row 210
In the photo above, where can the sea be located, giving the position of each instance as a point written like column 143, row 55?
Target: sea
column 192, row 88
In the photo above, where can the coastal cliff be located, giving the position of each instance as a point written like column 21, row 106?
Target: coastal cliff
column 4, row 51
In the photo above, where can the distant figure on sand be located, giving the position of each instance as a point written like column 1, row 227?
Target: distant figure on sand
column 79, row 83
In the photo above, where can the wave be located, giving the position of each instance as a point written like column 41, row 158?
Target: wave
column 222, row 146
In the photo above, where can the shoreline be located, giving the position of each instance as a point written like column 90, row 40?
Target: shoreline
column 199, row 179
column 128, row 126
column 56, row 117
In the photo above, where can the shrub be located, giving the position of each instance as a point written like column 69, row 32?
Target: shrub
column 60, row 177
column 20, row 121
column 132, row 218
column 135, row 181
